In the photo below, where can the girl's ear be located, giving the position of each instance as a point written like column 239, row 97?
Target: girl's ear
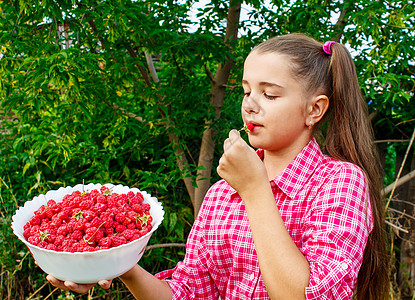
column 316, row 109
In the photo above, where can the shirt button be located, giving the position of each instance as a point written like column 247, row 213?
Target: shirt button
column 344, row 266
column 252, row 276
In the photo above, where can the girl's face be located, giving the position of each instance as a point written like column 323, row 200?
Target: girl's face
column 275, row 103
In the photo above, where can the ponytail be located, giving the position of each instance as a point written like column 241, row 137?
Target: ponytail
column 349, row 137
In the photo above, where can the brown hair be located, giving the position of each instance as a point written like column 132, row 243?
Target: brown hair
column 349, row 137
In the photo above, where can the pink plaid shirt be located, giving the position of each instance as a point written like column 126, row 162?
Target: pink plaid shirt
column 323, row 204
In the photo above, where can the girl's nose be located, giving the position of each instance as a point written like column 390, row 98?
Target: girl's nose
column 250, row 104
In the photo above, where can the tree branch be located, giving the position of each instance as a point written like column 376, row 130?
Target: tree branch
column 341, row 23
column 164, row 246
column 151, row 67
column 399, row 182
column 400, row 169
column 390, row 141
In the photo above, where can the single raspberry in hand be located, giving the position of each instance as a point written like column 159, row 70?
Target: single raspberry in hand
column 247, row 127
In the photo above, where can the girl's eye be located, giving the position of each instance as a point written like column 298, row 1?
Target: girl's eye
column 246, row 94
column 269, row 97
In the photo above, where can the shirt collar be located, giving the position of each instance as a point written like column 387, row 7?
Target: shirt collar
column 297, row 173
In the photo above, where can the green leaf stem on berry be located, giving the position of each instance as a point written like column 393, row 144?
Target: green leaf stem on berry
column 88, row 240
column 78, row 215
column 143, row 219
column 247, row 127
column 43, row 235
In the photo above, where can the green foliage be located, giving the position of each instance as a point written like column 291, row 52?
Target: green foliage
column 78, row 104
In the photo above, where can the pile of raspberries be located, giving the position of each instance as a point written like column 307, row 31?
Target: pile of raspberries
column 89, row 221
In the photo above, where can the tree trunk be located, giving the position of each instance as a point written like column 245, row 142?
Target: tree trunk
column 217, row 95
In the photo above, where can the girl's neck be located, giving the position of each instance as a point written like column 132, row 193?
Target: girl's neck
column 276, row 161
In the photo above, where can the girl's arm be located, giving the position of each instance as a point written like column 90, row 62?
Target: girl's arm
column 284, row 269
column 141, row 284
column 145, row 286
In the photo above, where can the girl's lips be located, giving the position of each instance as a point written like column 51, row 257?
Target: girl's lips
column 253, row 126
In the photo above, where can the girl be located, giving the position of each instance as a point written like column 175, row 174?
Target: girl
column 287, row 222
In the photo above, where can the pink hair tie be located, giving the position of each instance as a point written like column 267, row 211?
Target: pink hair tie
column 327, row 47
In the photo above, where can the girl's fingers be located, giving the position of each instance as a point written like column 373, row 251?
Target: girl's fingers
column 72, row 286
column 78, row 288
column 233, row 137
column 105, row 284
column 56, row 282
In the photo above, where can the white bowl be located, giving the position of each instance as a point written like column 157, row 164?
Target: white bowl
column 86, row 267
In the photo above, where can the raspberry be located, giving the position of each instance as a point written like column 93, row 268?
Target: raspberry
column 120, row 228
column 35, row 220
column 136, row 236
column 118, row 240
column 51, row 247
column 138, row 208
column 34, row 230
column 108, row 223
column 150, row 220
column 247, row 127
column 26, row 233
column 76, row 247
column 86, row 204
column 34, row 240
column 91, row 230
column 120, row 217
column 62, row 230
column 59, row 240
column 87, row 225
column 51, row 203
column 109, row 231
column 97, row 222
column 128, row 234
column 70, row 226
column 55, row 207
column 67, row 249
column 42, row 244
column 56, row 221
column 74, row 202
column 79, row 225
column 101, row 199
column 45, row 226
column 88, row 214
column 99, row 234
column 127, row 221
column 89, row 239
column 105, row 242
column 103, row 189
column 77, row 235
column 99, row 208
column 131, row 226
column 140, row 197
column 112, row 202
column 89, row 221
column 144, row 231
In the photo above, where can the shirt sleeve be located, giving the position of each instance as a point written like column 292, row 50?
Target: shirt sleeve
column 190, row 279
column 336, row 233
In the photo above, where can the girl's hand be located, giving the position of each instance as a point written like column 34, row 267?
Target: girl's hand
column 240, row 165
column 76, row 287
